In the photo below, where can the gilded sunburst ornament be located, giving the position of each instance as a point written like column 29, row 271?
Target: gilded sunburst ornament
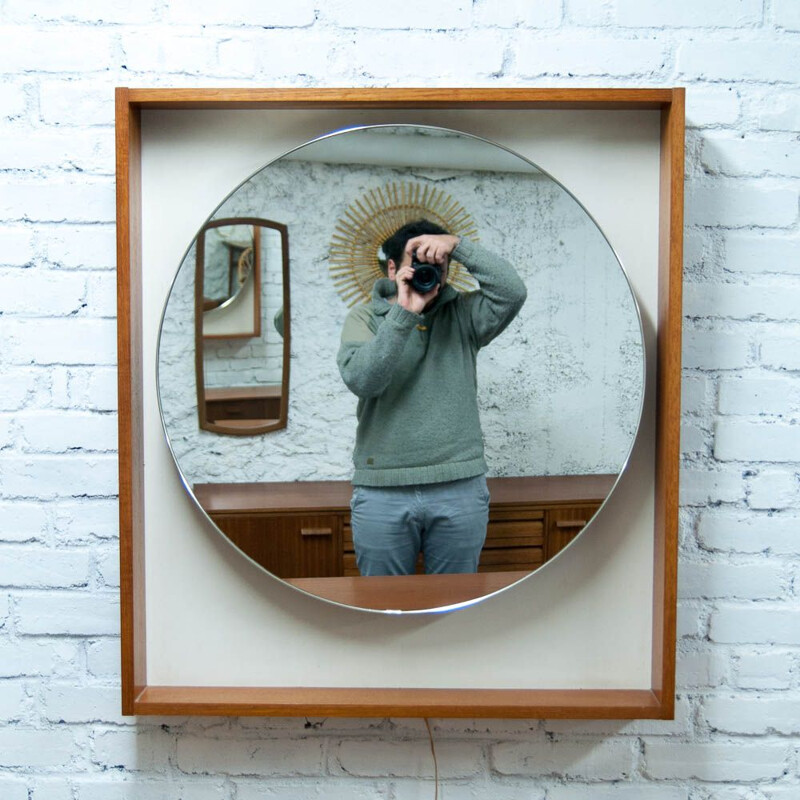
column 355, row 247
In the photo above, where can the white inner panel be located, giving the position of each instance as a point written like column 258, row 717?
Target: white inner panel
column 583, row 621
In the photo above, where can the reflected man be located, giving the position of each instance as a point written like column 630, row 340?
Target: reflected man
column 410, row 357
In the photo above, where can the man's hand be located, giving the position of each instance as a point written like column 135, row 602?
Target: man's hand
column 432, row 248
column 407, row 297
column 428, row 249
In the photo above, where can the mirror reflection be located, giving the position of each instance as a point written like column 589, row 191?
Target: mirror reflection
column 558, row 392
column 236, row 272
column 229, row 254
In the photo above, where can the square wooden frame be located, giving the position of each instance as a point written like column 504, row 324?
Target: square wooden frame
column 140, row 698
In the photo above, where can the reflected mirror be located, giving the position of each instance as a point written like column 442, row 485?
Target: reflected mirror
column 228, row 265
column 559, row 391
column 236, row 272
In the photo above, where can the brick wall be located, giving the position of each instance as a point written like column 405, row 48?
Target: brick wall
column 738, row 711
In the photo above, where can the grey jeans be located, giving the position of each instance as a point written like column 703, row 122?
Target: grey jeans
column 445, row 521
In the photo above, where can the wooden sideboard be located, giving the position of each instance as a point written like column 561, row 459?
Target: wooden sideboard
column 246, row 404
column 302, row 530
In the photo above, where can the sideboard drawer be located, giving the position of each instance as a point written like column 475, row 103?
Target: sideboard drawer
column 245, row 408
column 564, row 523
column 289, row 546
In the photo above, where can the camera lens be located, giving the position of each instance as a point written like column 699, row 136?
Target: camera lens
column 426, row 277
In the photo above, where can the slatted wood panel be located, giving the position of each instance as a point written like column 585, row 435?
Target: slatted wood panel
column 514, row 541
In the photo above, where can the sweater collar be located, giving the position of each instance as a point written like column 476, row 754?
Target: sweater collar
column 383, row 289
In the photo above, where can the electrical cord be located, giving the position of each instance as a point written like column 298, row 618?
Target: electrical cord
column 435, row 762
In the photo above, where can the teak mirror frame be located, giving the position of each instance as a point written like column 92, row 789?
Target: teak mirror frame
column 200, row 337
column 140, row 698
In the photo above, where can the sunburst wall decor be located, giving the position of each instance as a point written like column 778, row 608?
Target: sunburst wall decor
column 367, row 223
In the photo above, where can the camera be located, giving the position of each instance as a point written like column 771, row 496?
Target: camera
column 426, row 276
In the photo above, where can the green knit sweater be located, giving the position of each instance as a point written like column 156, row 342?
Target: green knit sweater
column 415, row 375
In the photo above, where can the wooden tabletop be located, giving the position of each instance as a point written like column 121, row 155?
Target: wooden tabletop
column 243, row 392
column 407, row 592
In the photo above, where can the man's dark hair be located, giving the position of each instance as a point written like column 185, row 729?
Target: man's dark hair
column 395, row 245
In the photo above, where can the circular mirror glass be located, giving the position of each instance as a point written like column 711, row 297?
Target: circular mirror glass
column 559, row 381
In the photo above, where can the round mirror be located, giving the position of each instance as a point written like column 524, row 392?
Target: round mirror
column 559, row 383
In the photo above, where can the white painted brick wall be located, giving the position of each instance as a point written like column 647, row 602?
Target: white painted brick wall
column 12, row 700
column 39, row 567
column 704, row 668
column 717, row 349
column 23, row 746
column 446, row 14
column 761, row 252
column 515, row 13
column 57, row 200
column 41, row 658
column 786, row 14
column 59, row 341
column 700, row 487
column 14, row 789
column 774, row 396
column 774, row 488
column 127, row 748
column 58, row 432
column 752, row 441
column 781, row 352
column 735, row 735
column 247, row 13
column 50, row 477
column 90, row 246
column 736, row 156
column 760, row 714
column 689, row 14
column 742, row 60
column 761, row 623
column 108, row 11
column 589, row 56
column 749, row 580
column 771, row 669
column 70, row 703
column 588, row 758
column 67, row 613
column 29, row 48
column 742, row 532
column 115, row 788
column 722, row 761
column 277, row 756
column 764, row 301
column 761, row 203
column 85, row 520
